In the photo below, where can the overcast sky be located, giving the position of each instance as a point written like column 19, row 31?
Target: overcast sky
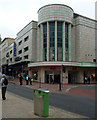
column 15, row 14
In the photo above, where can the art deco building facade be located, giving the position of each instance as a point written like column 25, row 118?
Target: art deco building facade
column 64, row 38
column 60, row 37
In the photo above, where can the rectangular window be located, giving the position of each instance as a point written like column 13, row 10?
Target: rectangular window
column 7, row 55
column 20, row 42
column 59, row 41
column 11, row 52
column 26, row 38
column 20, row 51
column 52, row 41
column 10, row 59
column 26, row 57
column 26, row 49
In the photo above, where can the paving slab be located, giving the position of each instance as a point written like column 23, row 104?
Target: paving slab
column 18, row 107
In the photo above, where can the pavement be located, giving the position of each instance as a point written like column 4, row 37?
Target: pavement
column 18, row 107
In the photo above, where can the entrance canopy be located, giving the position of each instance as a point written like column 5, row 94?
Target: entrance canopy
column 78, row 64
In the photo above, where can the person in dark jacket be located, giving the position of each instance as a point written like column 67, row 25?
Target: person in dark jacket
column 21, row 79
column 4, row 87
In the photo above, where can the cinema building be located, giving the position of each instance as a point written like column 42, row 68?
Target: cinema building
column 60, row 37
column 64, row 38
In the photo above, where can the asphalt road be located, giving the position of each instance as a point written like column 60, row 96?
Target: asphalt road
column 82, row 105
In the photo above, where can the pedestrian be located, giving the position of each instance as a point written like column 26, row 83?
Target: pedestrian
column 4, row 83
column 85, row 81
column 27, row 80
column 89, row 78
column 30, row 80
column 21, row 79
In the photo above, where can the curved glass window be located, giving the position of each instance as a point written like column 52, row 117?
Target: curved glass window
column 59, row 41
column 45, row 42
column 52, row 41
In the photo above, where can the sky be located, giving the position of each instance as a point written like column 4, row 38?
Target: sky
column 16, row 14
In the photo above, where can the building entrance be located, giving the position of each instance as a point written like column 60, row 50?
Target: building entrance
column 52, row 77
column 72, row 77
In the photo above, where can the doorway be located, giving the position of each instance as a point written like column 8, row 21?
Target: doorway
column 72, row 77
column 51, row 78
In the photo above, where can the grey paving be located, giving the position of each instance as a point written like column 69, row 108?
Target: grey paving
column 20, row 107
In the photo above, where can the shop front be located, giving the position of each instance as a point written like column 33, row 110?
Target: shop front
column 51, row 73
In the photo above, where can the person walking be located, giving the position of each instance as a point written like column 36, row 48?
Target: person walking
column 21, row 79
column 85, row 80
column 4, row 83
column 27, row 80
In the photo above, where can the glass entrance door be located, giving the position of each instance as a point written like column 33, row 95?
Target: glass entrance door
column 51, row 78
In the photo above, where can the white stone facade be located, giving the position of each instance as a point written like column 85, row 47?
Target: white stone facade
column 78, row 46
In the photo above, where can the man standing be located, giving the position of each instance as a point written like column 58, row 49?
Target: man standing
column 21, row 79
column 4, row 83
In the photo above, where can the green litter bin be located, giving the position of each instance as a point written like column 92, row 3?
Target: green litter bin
column 41, row 102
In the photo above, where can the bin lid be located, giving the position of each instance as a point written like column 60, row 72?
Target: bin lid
column 44, row 90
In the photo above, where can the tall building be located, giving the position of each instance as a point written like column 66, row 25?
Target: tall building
column 64, row 38
column 25, row 42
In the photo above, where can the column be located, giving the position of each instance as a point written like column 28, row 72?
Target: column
column 63, row 41
column 55, row 40
column 47, row 41
column 41, row 42
column 70, row 57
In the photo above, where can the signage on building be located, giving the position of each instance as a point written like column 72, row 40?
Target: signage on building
column 14, row 49
column 53, row 67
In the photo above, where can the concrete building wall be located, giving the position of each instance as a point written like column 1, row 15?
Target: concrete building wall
column 85, row 39
column 5, row 44
column 55, row 12
column 29, row 31
column 9, row 51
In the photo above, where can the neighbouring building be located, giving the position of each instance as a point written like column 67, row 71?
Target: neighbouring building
column 26, row 43
column 60, row 37
column 4, row 55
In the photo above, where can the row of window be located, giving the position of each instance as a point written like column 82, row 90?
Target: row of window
column 25, row 39
column 9, row 60
column 20, row 58
column 25, row 57
column 7, row 55
column 52, row 41
column 25, row 50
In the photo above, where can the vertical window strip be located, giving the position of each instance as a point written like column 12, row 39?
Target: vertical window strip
column 59, row 41
column 52, row 41
column 45, row 42
column 67, row 41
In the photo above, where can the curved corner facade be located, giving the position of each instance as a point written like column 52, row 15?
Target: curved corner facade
column 55, row 12
column 54, row 32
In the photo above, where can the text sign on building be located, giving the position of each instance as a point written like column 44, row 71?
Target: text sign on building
column 14, row 49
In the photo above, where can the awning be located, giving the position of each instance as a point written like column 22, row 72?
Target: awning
column 77, row 64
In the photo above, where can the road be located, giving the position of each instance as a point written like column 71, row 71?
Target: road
column 82, row 105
